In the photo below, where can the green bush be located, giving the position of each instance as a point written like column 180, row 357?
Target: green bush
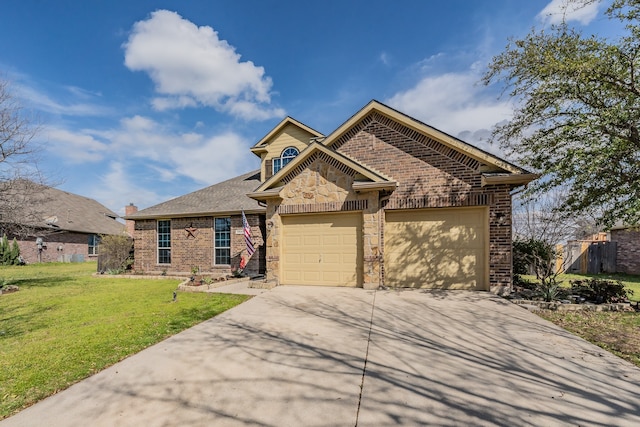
column 521, row 282
column 601, row 290
column 9, row 253
column 550, row 290
column 531, row 254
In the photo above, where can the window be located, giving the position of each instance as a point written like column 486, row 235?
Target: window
column 94, row 241
column 164, row 242
column 222, row 243
column 287, row 155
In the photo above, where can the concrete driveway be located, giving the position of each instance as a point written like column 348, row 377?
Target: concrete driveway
column 295, row 356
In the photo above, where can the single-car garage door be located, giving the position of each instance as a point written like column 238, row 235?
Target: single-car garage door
column 436, row 248
column 321, row 249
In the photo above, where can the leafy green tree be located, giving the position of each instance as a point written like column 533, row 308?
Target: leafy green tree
column 577, row 118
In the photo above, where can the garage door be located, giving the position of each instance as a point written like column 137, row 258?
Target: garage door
column 321, row 250
column 436, row 248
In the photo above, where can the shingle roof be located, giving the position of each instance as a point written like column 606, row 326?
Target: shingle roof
column 226, row 197
column 60, row 210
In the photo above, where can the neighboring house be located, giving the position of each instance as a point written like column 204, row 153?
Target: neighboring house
column 616, row 251
column 383, row 200
column 201, row 230
column 62, row 226
column 627, row 249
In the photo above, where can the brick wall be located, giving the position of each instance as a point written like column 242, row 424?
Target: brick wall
column 192, row 245
column 431, row 175
column 56, row 246
column 628, row 250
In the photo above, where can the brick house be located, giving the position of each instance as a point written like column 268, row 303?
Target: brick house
column 627, row 249
column 383, row 200
column 59, row 226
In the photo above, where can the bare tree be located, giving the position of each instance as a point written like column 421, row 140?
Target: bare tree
column 20, row 177
column 544, row 219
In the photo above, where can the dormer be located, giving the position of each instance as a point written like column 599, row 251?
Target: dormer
column 282, row 144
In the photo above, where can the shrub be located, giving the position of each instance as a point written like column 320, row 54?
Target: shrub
column 521, row 282
column 9, row 253
column 550, row 290
column 115, row 254
column 601, row 290
column 532, row 254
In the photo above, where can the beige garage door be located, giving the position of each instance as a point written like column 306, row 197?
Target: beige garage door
column 321, row 250
column 436, row 248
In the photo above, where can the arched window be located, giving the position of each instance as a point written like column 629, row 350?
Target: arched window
column 287, row 155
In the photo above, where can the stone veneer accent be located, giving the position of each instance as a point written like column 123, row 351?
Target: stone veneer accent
column 628, row 250
column 324, row 187
column 429, row 174
column 188, row 252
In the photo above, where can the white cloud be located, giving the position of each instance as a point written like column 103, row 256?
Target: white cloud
column 453, row 103
column 162, row 154
column 76, row 147
column 82, row 93
column 220, row 157
column 384, row 58
column 458, row 104
column 558, row 11
column 191, row 66
column 117, row 189
column 170, row 103
column 43, row 102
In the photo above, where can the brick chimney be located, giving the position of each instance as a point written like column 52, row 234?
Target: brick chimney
column 130, row 210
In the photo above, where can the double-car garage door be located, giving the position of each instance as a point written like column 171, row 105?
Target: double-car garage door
column 429, row 248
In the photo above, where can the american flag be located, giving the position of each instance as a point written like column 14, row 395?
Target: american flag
column 247, row 236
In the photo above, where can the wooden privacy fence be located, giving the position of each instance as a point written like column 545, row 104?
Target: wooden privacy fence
column 587, row 257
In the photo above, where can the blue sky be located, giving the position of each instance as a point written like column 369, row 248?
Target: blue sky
column 143, row 101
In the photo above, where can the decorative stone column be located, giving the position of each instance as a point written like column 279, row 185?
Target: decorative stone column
column 273, row 242
column 371, row 242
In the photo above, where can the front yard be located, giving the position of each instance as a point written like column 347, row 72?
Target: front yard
column 617, row 332
column 65, row 325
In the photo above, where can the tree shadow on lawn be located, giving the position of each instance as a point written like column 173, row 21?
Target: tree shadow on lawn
column 42, row 282
column 299, row 360
column 15, row 321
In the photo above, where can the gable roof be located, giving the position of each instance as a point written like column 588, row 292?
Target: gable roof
column 48, row 207
column 370, row 179
column 259, row 147
column 497, row 164
column 224, row 198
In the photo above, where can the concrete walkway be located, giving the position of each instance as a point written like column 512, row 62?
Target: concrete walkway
column 295, row 356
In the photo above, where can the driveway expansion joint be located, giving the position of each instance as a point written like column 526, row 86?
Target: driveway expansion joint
column 366, row 356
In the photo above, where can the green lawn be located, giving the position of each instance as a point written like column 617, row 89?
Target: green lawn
column 630, row 281
column 65, row 325
column 617, row 332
